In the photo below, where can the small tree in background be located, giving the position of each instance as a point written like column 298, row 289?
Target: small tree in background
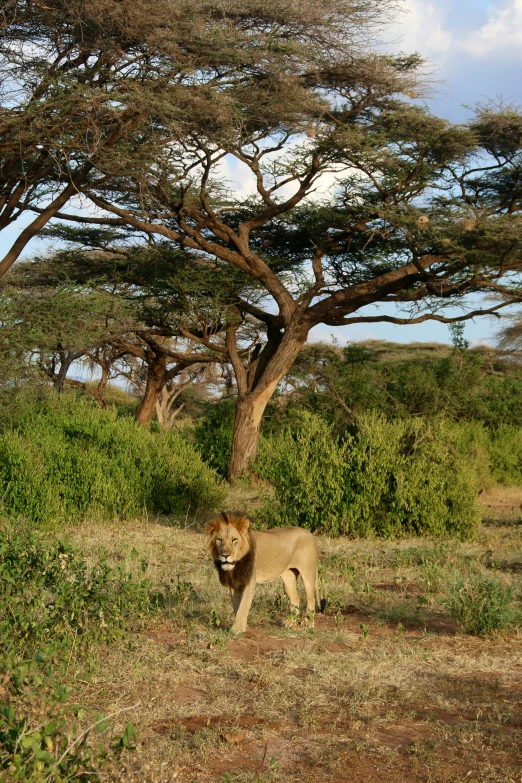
column 49, row 329
column 129, row 311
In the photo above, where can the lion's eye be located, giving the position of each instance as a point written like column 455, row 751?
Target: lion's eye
column 218, row 541
column 234, row 541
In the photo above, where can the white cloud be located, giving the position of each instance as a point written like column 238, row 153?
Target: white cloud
column 242, row 181
column 421, row 27
column 501, row 34
column 443, row 31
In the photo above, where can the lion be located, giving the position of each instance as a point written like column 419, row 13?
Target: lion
column 244, row 557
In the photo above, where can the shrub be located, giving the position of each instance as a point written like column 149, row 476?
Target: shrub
column 67, row 459
column 48, row 594
column 387, row 478
column 482, row 605
column 504, row 445
column 214, row 435
column 51, row 606
column 306, row 466
column 496, row 452
column 42, row 734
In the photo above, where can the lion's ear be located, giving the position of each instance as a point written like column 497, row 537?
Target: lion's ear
column 211, row 527
column 243, row 524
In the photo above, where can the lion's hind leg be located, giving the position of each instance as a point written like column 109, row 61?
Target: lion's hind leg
column 290, row 584
column 309, row 577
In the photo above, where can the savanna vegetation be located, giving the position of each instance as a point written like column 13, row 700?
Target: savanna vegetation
column 155, row 366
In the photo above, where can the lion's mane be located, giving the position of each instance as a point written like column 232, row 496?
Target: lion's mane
column 243, row 570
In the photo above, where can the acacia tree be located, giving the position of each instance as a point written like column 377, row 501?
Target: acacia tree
column 51, row 328
column 92, row 88
column 163, row 367
column 166, row 412
column 423, row 213
column 129, row 311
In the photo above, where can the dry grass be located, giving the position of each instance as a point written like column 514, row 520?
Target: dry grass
column 386, row 688
column 501, row 504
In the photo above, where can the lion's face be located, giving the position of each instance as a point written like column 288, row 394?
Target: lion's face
column 228, row 540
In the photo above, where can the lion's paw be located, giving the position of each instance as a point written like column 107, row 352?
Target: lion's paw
column 293, row 618
column 309, row 620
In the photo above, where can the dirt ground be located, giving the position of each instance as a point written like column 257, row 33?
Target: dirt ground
column 386, row 688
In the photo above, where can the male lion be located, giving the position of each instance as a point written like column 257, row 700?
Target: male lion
column 244, row 558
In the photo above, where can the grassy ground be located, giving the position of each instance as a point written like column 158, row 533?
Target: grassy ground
column 385, row 688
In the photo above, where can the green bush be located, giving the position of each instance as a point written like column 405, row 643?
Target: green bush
column 67, row 459
column 504, row 446
column 401, row 381
column 53, row 606
column 44, row 735
column 496, row 453
column 474, row 445
column 387, row 478
column 482, row 605
column 214, row 435
column 48, row 594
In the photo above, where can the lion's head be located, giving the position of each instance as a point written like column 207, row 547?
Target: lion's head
column 231, row 547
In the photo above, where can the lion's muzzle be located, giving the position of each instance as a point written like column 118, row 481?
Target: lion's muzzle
column 226, row 563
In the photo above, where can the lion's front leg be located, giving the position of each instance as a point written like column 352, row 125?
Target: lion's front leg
column 242, row 601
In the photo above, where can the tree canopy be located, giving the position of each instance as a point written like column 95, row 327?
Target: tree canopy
column 93, row 89
column 422, row 213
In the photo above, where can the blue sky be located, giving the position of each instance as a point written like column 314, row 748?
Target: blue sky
column 475, row 48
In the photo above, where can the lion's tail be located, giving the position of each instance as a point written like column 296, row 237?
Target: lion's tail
column 320, row 603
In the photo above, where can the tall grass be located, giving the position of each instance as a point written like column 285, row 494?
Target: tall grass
column 482, row 605
column 66, row 459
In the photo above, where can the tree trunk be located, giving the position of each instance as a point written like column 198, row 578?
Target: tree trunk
column 245, row 443
column 99, row 392
column 164, row 403
column 156, row 379
column 250, row 407
column 66, row 359
column 43, row 218
column 145, row 409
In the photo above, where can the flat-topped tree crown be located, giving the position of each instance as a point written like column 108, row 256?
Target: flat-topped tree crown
column 93, row 90
column 146, row 314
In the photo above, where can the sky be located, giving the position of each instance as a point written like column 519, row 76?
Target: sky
column 475, row 51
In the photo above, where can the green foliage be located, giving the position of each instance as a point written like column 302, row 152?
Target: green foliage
column 67, row 459
column 49, row 594
column 341, row 384
column 386, row 478
column 458, row 340
column 496, row 453
column 306, row 466
column 214, row 435
column 53, row 605
column 42, row 734
column 482, row 605
column 504, row 446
